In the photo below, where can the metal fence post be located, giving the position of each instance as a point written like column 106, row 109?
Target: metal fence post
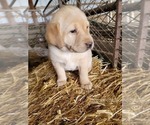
column 117, row 33
column 143, row 30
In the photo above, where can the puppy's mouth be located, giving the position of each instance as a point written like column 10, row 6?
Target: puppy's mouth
column 71, row 49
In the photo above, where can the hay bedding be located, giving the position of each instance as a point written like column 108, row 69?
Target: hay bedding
column 136, row 97
column 14, row 95
column 70, row 104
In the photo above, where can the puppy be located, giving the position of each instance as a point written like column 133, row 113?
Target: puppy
column 70, row 44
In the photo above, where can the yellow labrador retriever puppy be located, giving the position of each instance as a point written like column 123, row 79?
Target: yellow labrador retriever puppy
column 70, row 44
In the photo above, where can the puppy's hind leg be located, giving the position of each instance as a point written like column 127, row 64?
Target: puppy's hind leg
column 61, row 74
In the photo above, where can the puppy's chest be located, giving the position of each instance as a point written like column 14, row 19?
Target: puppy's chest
column 70, row 61
column 70, row 64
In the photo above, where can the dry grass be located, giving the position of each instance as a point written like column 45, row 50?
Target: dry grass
column 136, row 97
column 70, row 104
column 13, row 95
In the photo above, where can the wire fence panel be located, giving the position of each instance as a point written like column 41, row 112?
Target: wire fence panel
column 102, row 17
column 135, row 61
column 13, row 42
column 135, row 34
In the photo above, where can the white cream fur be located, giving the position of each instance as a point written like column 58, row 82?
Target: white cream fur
column 68, row 51
column 69, row 60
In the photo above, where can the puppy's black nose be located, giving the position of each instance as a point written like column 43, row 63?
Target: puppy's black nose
column 88, row 45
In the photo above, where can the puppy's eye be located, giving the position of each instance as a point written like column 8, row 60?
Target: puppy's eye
column 73, row 31
column 87, row 27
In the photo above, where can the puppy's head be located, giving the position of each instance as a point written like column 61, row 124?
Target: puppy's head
column 69, row 30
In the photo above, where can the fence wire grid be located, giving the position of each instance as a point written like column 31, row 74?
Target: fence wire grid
column 102, row 17
column 136, row 34
column 121, row 32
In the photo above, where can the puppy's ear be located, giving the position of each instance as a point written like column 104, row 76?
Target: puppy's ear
column 53, row 35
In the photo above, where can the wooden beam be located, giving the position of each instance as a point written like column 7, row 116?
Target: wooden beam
column 34, row 16
column 31, row 6
column 9, row 15
column 101, row 9
column 112, row 6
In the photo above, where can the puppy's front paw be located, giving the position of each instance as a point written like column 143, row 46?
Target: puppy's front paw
column 61, row 82
column 87, row 85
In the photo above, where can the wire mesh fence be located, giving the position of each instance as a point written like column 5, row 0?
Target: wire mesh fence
column 121, row 32
column 135, row 61
column 135, row 34
column 107, row 27
column 13, row 42
column 103, row 28
column 102, row 18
